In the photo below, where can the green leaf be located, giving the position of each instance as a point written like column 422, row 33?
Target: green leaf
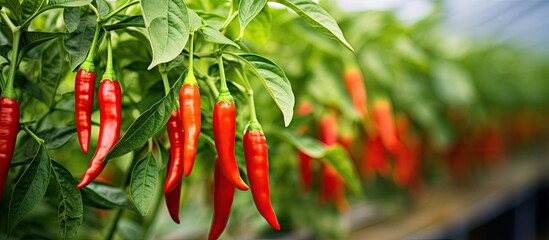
column 133, row 21
column 167, row 23
column 106, row 197
column 14, row 6
column 102, row 7
column 247, row 10
column 78, row 43
column 143, row 183
column 29, row 7
column 215, row 36
column 147, row 124
column 258, row 30
column 275, row 81
column 70, row 209
column 306, row 144
column 71, row 17
column 195, row 21
column 317, row 18
column 338, row 158
column 30, row 188
column 30, row 40
column 67, row 3
column 4, row 51
column 58, row 136
column 52, row 70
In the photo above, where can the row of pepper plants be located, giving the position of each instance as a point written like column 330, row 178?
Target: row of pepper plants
column 195, row 99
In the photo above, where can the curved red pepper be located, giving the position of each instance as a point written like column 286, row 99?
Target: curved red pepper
column 189, row 99
column 355, row 87
column 9, row 126
column 257, row 165
column 375, row 158
column 83, row 103
column 306, row 169
column 223, row 201
column 175, row 134
column 224, row 128
column 332, row 186
column 383, row 118
column 110, row 109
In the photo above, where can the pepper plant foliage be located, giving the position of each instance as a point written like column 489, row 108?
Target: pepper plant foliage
column 43, row 42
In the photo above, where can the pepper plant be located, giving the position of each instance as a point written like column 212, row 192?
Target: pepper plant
column 186, row 67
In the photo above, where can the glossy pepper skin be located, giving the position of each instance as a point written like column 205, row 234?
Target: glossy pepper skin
column 332, row 185
column 383, row 118
column 9, row 126
column 223, row 201
column 110, row 110
column 224, row 127
column 83, row 104
column 306, row 170
column 355, row 86
column 189, row 100
column 175, row 134
column 257, row 166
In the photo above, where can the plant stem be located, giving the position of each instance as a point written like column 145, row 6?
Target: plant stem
column 94, row 10
column 36, row 138
column 164, row 74
column 111, row 14
column 223, row 88
column 253, row 116
column 114, row 224
column 6, row 19
column 191, row 55
column 229, row 19
column 109, row 72
column 13, row 60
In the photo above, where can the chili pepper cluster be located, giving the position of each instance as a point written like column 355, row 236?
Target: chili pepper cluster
column 184, row 129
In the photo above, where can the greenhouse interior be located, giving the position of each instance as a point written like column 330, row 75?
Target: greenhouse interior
column 274, row 119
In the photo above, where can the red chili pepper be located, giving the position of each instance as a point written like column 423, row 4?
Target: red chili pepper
column 189, row 99
column 355, row 86
column 9, row 126
column 223, row 201
column 332, row 184
column 383, row 118
column 109, row 132
column 224, row 128
column 375, row 158
column 83, row 102
column 306, row 170
column 257, row 165
column 175, row 135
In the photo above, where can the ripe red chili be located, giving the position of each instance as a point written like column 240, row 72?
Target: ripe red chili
column 355, row 87
column 375, row 158
column 223, row 201
column 175, row 135
column 109, row 132
column 224, row 127
column 83, row 103
column 9, row 126
column 383, row 118
column 332, row 185
column 257, row 165
column 189, row 100
column 306, row 170
column 176, row 155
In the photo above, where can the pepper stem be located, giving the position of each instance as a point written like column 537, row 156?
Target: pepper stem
column 190, row 78
column 224, row 94
column 253, row 124
column 109, row 72
column 88, row 64
column 164, row 74
column 9, row 91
